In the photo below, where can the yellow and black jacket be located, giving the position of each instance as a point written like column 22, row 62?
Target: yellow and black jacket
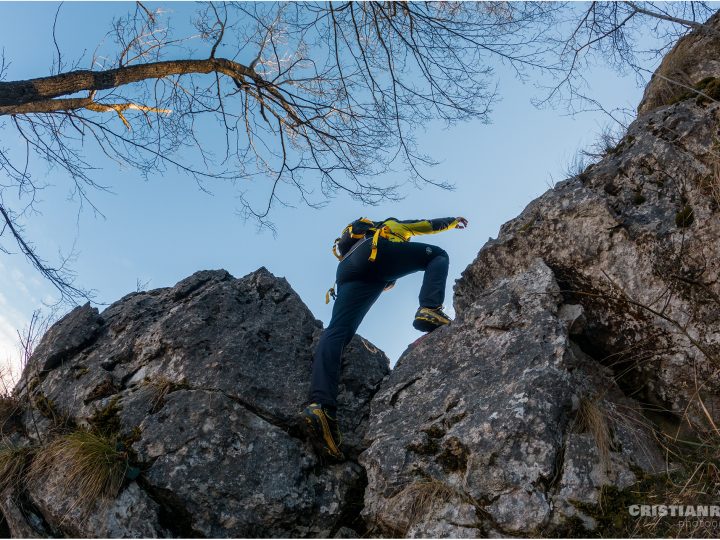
column 403, row 230
column 392, row 229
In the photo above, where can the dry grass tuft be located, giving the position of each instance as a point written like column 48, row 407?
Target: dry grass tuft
column 162, row 386
column 422, row 496
column 672, row 81
column 593, row 417
column 697, row 483
column 90, row 465
column 426, row 493
column 711, row 183
column 715, row 183
column 13, row 460
column 692, row 477
column 9, row 410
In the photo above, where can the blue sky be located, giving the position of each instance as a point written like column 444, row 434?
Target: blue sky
column 162, row 230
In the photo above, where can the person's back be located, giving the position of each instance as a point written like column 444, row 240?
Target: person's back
column 373, row 255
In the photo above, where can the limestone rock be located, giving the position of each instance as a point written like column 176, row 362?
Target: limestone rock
column 474, row 423
column 205, row 381
column 694, row 58
column 17, row 522
column 69, row 336
column 132, row 514
column 633, row 240
column 596, row 306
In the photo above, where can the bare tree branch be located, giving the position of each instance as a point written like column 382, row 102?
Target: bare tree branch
column 666, row 17
column 314, row 99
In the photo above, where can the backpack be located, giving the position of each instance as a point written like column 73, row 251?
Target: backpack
column 351, row 235
column 356, row 231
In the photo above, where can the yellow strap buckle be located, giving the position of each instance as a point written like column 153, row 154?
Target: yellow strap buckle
column 382, row 231
column 331, row 292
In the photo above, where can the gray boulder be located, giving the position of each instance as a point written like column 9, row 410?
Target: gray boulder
column 475, row 431
column 586, row 331
column 694, row 58
column 203, row 381
column 66, row 338
column 634, row 241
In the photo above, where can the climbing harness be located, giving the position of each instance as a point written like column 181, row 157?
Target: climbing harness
column 350, row 239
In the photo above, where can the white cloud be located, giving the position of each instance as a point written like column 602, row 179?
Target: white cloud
column 21, row 291
column 15, row 299
column 9, row 347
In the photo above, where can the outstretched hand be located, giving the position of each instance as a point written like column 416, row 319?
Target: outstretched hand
column 462, row 222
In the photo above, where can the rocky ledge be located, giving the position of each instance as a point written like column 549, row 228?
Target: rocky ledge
column 202, row 383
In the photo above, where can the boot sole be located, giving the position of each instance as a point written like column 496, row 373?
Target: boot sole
column 426, row 325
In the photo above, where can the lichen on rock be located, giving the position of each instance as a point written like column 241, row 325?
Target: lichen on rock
column 202, row 383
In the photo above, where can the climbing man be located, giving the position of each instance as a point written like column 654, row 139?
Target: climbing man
column 373, row 255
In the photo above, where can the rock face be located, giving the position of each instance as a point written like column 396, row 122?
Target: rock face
column 694, row 58
column 504, row 442
column 203, row 382
column 634, row 240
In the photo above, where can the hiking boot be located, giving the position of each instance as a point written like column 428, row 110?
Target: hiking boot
column 428, row 319
column 323, row 431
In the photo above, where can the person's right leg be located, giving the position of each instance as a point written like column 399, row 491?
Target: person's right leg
column 354, row 299
column 395, row 260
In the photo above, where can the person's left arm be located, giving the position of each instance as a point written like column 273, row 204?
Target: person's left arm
column 414, row 227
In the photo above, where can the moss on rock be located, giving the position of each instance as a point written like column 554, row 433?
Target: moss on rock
column 685, row 216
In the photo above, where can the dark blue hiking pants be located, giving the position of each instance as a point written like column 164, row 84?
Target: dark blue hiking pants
column 359, row 284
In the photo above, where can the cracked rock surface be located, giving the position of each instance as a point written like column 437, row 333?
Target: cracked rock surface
column 205, row 379
column 634, row 241
column 480, row 418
